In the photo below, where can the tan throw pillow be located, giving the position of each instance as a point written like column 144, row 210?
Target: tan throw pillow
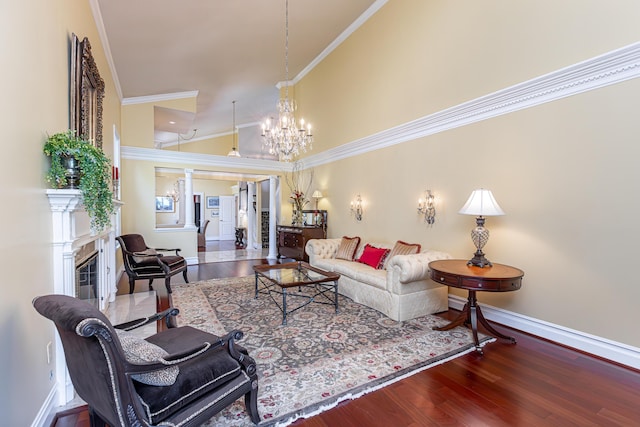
column 402, row 248
column 139, row 351
column 347, row 248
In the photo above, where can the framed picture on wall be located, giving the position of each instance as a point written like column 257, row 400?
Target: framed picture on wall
column 213, row 202
column 215, row 212
column 165, row 204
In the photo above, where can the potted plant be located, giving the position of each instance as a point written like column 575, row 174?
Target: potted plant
column 93, row 176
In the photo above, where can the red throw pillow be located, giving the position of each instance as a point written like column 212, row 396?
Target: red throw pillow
column 373, row 256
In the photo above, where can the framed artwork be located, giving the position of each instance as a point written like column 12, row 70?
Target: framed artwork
column 165, row 204
column 215, row 212
column 213, row 202
column 87, row 92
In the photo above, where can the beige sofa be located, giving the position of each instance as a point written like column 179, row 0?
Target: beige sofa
column 403, row 291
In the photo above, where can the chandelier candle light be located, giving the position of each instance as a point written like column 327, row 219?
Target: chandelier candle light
column 283, row 137
column 481, row 203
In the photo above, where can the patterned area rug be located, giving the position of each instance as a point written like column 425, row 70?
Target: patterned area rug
column 319, row 358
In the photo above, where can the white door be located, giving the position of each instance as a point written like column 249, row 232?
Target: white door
column 227, row 218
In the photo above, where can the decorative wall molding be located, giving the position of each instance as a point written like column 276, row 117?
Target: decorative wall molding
column 183, row 158
column 160, row 97
column 601, row 347
column 604, row 70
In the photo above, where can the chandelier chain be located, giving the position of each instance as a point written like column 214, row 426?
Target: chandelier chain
column 284, row 137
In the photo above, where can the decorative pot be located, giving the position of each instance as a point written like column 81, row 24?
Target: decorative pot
column 71, row 171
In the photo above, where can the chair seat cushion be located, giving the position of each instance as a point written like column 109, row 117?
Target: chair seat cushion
column 172, row 261
column 198, row 376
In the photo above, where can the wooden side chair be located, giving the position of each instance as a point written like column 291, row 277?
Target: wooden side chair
column 178, row 377
column 144, row 263
column 202, row 236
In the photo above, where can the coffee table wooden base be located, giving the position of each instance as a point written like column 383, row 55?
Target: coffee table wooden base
column 470, row 315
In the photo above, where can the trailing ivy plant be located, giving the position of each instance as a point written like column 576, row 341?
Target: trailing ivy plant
column 95, row 174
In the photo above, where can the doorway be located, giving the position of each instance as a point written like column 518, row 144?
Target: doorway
column 227, row 221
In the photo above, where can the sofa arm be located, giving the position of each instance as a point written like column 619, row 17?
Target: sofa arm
column 321, row 249
column 415, row 267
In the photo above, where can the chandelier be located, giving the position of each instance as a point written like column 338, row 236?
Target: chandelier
column 284, row 137
column 234, row 152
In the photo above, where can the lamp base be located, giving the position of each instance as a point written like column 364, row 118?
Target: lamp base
column 479, row 260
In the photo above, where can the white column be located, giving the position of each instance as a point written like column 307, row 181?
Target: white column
column 189, row 222
column 251, row 216
column 273, row 250
column 182, row 199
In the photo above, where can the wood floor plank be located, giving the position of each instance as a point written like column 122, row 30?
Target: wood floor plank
column 532, row 383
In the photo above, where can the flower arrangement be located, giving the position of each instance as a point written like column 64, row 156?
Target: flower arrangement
column 296, row 180
column 299, row 202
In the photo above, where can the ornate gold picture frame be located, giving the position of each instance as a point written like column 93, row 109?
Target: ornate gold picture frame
column 87, row 92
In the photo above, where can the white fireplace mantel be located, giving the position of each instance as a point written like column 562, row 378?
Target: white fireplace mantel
column 71, row 232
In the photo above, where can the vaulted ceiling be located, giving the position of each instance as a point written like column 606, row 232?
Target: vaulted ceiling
column 225, row 50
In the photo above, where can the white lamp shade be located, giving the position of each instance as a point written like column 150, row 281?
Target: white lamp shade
column 481, row 203
column 317, row 194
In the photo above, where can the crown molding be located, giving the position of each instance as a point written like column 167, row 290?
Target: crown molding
column 210, row 160
column 604, row 70
column 102, row 33
column 338, row 41
column 159, row 97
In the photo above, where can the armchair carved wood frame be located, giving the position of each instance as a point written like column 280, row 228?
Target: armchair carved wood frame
column 210, row 372
column 143, row 262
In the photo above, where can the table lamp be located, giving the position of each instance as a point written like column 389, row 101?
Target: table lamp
column 317, row 195
column 481, row 203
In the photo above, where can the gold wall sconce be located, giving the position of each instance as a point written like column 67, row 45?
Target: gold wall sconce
column 356, row 208
column 427, row 207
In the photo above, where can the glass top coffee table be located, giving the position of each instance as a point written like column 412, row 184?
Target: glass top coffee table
column 282, row 279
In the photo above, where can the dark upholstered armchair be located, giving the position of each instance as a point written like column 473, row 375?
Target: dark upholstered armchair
column 181, row 376
column 143, row 262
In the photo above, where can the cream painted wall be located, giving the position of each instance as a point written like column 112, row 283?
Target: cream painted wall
column 416, row 57
column 138, row 212
column 137, row 119
column 35, row 44
column 219, row 146
column 564, row 172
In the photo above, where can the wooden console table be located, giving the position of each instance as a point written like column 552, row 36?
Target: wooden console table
column 456, row 273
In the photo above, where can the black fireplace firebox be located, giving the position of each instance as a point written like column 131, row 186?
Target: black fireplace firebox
column 87, row 278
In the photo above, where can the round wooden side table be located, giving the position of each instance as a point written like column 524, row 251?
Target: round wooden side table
column 456, row 273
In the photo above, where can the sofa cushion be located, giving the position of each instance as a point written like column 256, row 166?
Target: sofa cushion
column 373, row 256
column 347, row 248
column 402, row 248
column 370, row 276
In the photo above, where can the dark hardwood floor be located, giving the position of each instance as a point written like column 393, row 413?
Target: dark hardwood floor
column 531, row 383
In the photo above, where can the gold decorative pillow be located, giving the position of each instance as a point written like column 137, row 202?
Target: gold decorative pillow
column 347, row 248
column 402, row 248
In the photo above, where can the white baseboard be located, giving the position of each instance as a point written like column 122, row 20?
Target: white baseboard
column 47, row 410
column 597, row 346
